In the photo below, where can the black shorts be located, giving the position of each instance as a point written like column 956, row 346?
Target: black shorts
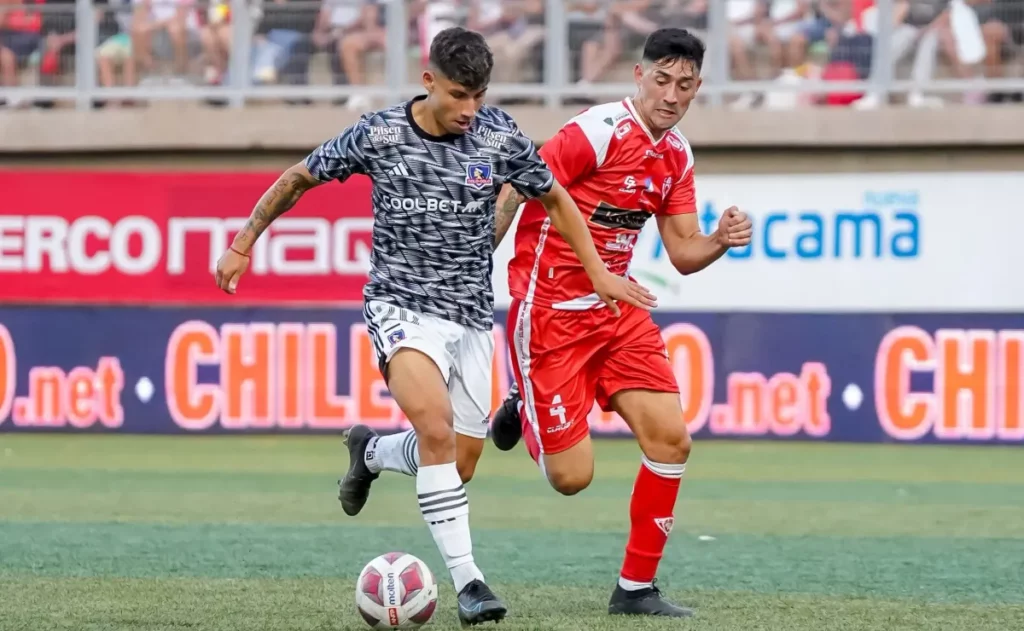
column 21, row 43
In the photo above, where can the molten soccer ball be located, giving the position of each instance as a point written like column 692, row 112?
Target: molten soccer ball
column 396, row 591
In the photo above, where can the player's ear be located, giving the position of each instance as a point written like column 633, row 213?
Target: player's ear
column 428, row 81
column 638, row 73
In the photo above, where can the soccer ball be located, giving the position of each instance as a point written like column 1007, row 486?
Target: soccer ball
column 396, row 591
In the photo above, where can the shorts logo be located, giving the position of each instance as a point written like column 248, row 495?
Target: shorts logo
column 666, row 186
column 478, row 174
column 395, row 337
column 558, row 411
column 665, row 524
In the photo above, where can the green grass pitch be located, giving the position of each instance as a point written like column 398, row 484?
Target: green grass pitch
column 245, row 533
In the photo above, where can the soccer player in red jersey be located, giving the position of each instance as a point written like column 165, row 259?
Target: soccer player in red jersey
column 622, row 163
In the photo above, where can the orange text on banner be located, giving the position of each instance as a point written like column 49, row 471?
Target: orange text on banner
column 756, row 404
column 282, row 375
column 781, row 405
column 8, row 369
column 976, row 384
column 79, row 398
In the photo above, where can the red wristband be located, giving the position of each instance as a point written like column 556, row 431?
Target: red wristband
column 232, row 248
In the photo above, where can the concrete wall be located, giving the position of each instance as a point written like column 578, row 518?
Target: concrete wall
column 194, row 126
column 193, row 136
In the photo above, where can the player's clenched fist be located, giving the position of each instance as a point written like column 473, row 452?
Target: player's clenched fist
column 734, row 228
column 230, row 267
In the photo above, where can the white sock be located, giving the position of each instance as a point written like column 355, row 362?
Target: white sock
column 445, row 508
column 395, row 452
column 632, row 586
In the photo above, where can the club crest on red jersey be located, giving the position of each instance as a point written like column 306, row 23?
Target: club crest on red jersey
column 478, row 174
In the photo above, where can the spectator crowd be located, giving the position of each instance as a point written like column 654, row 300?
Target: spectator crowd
column 342, row 42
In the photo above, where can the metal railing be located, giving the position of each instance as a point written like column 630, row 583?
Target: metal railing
column 250, row 50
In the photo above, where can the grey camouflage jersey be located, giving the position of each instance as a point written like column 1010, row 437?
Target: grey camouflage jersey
column 433, row 205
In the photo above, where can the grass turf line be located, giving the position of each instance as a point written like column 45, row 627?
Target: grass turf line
column 63, row 604
column 125, row 532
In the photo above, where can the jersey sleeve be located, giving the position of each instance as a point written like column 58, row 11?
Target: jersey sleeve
column 524, row 169
column 569, row 154
column 682, row 197
column 341, row 156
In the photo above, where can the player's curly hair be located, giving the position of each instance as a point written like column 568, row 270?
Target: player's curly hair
column 668, row 45
column 463, row 56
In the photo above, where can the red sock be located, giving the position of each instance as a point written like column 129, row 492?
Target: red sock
column 651, row 517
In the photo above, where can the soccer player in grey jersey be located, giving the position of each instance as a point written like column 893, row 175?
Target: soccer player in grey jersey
column 437, row 164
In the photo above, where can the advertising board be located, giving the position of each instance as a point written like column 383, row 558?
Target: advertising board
column 863, row 377
column 144, row 238
column 869, row 307
column 943, row 242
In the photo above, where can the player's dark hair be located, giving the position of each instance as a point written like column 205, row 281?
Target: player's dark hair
column 463, row 56
column 668, row 45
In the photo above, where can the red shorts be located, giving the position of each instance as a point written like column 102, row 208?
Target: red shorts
column 564, row 360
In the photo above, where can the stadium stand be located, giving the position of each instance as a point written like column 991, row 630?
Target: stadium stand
column 763, row 53
column 170, row 68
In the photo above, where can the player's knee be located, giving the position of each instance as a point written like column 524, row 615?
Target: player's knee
column 436, row 436
column 675, row 447
column 682, row 448
column 571, row 481
column 669, row 446
column 468, row 450
column 466, row 469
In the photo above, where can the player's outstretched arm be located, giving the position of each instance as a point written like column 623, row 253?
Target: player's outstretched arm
column 509, row 201
column 569, row 222
column 690, row 251
column 278, row 199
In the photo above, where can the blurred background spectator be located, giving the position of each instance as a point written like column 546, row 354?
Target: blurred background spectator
column 627, row 23
column 21, row 31
column 352, row 30
column 115, row 63
column 514, row 30
column 774, row 48
column 165, row 31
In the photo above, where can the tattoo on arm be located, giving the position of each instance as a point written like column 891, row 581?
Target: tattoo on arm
column 506, row 213
column 278, row 199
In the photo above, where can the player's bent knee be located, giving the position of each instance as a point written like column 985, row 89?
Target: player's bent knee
column 570, row 482
column 682, row 448
column 468, row 450
column 436, row 438
column 466, row 470
column 568, row 472
column 571, row 470
column 670, row 447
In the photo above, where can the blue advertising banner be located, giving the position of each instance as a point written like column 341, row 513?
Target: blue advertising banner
column 836, row 377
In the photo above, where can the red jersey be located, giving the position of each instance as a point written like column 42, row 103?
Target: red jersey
column 619, row 175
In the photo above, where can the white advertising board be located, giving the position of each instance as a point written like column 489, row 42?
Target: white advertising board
column 847, row 242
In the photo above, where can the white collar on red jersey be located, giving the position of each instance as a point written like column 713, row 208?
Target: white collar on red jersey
column 628, row 102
